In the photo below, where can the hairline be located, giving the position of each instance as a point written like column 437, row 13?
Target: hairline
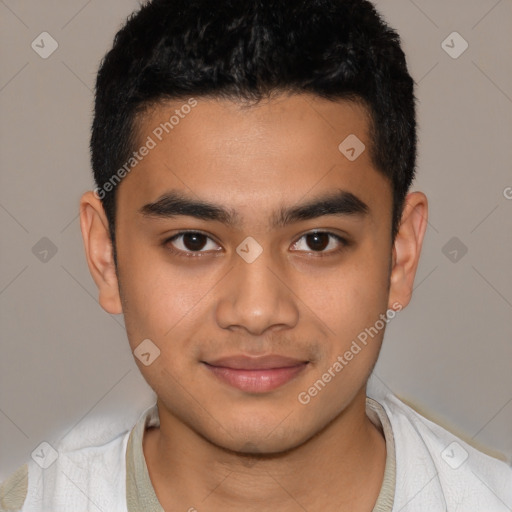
column 250, row 99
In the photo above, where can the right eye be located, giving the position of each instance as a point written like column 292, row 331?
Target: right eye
column 189, row 242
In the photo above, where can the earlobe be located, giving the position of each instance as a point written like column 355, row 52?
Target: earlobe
column 99, row 253
column 407, row 248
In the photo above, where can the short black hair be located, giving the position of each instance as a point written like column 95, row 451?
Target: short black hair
column 247, row 51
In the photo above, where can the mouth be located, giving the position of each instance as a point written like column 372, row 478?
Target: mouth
column 256, row 374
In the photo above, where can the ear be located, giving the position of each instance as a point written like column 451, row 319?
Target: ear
column 99, row 253
column 407, row 249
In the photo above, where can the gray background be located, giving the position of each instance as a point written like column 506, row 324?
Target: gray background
column 63, row 358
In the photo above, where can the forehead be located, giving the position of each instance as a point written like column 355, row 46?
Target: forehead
column 278, row 151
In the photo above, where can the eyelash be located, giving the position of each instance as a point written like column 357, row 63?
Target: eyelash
column 167, row 243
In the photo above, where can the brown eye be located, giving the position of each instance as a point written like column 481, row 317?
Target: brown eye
column 317, row 241
column 194, row 241
column 321, row 242
column 190, row 242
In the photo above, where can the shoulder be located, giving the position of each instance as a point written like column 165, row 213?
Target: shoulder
column 438, row 470
column 85, row 471
column 13, row 491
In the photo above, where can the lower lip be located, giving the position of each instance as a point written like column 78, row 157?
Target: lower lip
column 256, row 381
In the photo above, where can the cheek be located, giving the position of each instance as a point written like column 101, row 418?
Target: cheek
column 352, row 296
column 161, row 304
column 351, row 304
column 160, row 299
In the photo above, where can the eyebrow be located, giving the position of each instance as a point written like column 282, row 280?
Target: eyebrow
column 174, row 203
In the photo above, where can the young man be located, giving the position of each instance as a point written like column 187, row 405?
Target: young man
column 252, row 221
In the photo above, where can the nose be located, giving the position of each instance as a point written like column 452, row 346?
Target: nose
column 256, row 297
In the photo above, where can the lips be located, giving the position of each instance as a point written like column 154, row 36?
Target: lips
column 256, row 374
column 255, row 363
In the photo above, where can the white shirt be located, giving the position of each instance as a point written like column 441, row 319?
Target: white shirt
column 427, row 469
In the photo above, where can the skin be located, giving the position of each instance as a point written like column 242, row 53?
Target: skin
column 220, row 448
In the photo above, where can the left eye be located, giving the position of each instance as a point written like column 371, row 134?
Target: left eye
column 320, row 241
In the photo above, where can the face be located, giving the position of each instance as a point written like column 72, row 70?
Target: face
column 253, row 254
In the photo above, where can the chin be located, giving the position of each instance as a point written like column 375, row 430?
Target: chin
column 271, row 437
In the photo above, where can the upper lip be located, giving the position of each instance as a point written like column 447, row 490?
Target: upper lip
column 242, row 362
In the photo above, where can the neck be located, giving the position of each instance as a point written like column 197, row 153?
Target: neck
column 341, row 468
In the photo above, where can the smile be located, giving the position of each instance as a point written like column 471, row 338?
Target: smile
column 256, row 375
